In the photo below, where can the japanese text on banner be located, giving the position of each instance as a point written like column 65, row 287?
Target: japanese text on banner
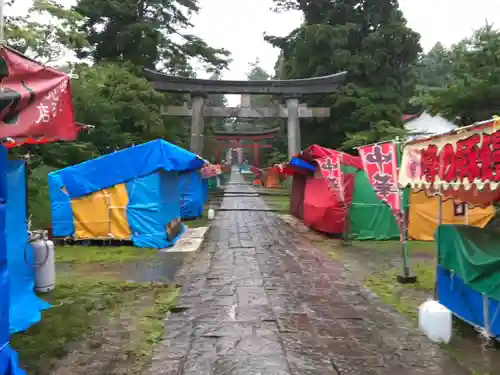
column 330, row 167
column 36, row 100
column 381, row 167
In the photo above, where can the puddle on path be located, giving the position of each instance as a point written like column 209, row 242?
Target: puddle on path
column 162, row 269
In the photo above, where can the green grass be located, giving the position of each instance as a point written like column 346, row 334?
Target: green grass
column 279, row 203
column 77, row 304
column 150, row 324
column 198, row 222
column 97, row 254
column 419, row 247
column 403, row 297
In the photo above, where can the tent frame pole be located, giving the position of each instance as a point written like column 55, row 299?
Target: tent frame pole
column 407, row 277
column 439, row 222
column 346, row 241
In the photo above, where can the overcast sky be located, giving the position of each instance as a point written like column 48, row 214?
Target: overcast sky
column 238, row 25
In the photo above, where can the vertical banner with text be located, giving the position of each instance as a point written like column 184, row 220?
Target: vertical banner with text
column 331, row 170
column 380, row 162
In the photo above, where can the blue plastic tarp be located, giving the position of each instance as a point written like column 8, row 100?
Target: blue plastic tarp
column 19, row 306
column 25, row 307
column 205, row 190
column 153, row 203
column 126, row 165
column 9, row 362
column 300, row 163
column 466, row 303
column 192, row 195
column 60, row 205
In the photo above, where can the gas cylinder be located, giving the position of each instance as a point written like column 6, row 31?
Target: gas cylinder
column 44, row 263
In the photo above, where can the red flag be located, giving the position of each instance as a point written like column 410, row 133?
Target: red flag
column 381, row 166
column 330, row 167
column 35, row 101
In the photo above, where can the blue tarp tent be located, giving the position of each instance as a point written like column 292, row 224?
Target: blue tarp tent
column 132, row 194
column 194, row 194
column 19, row 306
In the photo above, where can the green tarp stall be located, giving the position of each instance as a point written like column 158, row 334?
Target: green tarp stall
column 473, row 255
column 468, row 277
column 212, row 182
column 369, row 217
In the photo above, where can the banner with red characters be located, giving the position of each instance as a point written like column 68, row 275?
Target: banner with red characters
column 331, row 169
column 380, row 162
column 463, row 164
column 35, row 101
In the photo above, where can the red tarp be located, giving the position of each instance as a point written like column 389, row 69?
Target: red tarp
column 35, row 101
column 324, row 210
column 314, row 152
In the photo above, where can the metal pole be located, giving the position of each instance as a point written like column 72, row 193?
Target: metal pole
column 439, row 221
column 404, row 242
column 407, row 277
column 345, row 227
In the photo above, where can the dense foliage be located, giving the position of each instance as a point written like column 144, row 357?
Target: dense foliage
column 369, row 40
column 473, row 93
column 115, row 39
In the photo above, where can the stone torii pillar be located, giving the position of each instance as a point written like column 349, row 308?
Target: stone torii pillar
column 197, row 123
column 293, row 126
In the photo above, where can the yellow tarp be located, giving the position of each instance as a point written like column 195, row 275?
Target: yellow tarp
column 424, row 212
column 117, row 206
column 102, row 214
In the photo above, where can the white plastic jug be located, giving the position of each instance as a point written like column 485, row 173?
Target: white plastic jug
column 211, row 214
column 435, row 320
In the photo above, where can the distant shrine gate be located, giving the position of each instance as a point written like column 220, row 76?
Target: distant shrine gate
column 234, row 140
column 291, row 90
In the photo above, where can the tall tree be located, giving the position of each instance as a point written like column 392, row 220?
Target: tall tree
column 47, row 33
column 369, row 40
column 435, row 68
column 149, row 33
column 434, row 72
column 474, row 94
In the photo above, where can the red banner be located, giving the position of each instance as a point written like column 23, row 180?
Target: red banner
column 380, row 163
column 331, row 169
column 463, row 164
column 35, row 101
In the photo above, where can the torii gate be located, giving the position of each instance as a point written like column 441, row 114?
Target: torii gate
column 291, row 90
column 235, row 139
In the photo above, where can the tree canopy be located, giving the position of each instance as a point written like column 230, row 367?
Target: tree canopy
column 473, row 93
column 149, row 33
column 368, row 39
column 114, row 40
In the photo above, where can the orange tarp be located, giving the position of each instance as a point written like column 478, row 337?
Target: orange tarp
column 272, row 178
column 424, row 211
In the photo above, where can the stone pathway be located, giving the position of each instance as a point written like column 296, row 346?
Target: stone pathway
column 260, row 300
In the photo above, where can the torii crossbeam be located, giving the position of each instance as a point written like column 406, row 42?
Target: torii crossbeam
column 291, row 90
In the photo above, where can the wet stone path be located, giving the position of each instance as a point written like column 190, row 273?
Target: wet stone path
column 260, row 300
